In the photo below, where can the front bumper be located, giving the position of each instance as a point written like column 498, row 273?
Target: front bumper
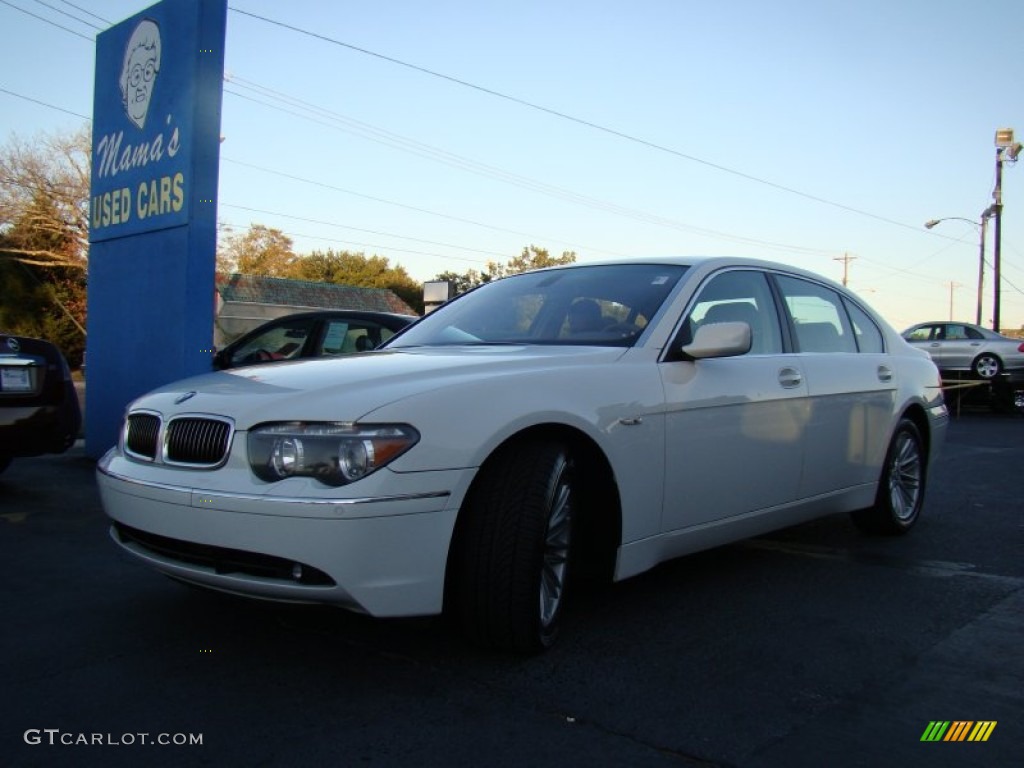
column 382, row 555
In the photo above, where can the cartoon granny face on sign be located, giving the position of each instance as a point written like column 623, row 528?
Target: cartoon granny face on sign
column 138, row 74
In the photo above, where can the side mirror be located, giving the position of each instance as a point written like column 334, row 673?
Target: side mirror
column 719, row 340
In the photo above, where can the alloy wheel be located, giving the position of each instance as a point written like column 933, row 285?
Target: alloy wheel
column 905, row 477
column 556, row 550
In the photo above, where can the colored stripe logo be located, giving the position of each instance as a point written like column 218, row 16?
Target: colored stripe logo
column 958, row 730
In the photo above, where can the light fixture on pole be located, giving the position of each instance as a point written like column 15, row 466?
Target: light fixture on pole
column 982, row 225
column 1006, row 149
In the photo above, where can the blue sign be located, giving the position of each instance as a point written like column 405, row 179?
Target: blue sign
column 153, row 215
column 142, row 127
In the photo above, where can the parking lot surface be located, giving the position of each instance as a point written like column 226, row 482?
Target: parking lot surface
column 813, row 646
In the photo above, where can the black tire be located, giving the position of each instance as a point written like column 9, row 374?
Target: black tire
column 5, row 462
column 902, row 485
column 510, row 560
column 987, row 366
column 1006, row 399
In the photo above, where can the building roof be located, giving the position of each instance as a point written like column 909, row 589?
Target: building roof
column 255, row 289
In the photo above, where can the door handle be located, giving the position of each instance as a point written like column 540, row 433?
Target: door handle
column 790, row 378
column 884, row 373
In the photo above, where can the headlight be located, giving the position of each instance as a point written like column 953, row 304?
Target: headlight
column 334, row 453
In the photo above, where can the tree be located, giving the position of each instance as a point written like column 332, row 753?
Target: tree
column 44, row 227
column 44, row 200
column 260, row 251
column 358, row 269
column 532, row 257
column 463, row 281
column 44, row 303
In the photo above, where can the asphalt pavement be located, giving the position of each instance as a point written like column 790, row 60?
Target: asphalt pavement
column 812, row 646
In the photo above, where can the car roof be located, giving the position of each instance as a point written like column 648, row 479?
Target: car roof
column 987, row 332
column 945, row 322
column 708, row 264
column 363, row 314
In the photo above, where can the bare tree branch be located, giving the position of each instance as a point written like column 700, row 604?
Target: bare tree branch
column 44, row 199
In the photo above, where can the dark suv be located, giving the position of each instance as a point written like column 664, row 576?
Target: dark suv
column 39, row 410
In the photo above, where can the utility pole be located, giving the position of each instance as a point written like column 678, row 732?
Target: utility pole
column 1006, row 149
column 846, row 259
column 983, row 225
column 997, row 195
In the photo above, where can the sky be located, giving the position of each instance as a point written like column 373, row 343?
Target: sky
column 447, row 134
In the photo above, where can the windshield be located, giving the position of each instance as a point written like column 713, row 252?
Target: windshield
column 601, row 305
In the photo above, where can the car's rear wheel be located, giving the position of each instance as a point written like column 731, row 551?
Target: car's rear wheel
column 987, row 366
column 901, row 488
column 511, row 554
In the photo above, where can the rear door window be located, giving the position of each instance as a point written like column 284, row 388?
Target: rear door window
column 819, row 317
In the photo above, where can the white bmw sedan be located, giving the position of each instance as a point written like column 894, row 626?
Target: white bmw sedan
column 590, row 420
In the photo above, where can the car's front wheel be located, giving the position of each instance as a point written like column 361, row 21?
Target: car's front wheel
column 987, row 366
column 901, row 488
column 510, row 559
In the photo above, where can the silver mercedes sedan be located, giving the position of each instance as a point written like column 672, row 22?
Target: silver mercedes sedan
column 589, row 420
column 963, row 347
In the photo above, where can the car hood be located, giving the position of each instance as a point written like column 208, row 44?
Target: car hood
column 344, row 389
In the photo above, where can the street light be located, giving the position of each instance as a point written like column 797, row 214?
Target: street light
column 1006, row 149
column 981, row 225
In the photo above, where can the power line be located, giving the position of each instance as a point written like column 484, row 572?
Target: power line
column 87, row 12
column 483, row 169
column 314, row 113
column 405, row 206
column 47, row 21
column 388, row 248
column 43, row 103
column 504, row 175
column 574, row 119
column 69, row 15
column 358, row 229
column 406, row 144
column 907, row 271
